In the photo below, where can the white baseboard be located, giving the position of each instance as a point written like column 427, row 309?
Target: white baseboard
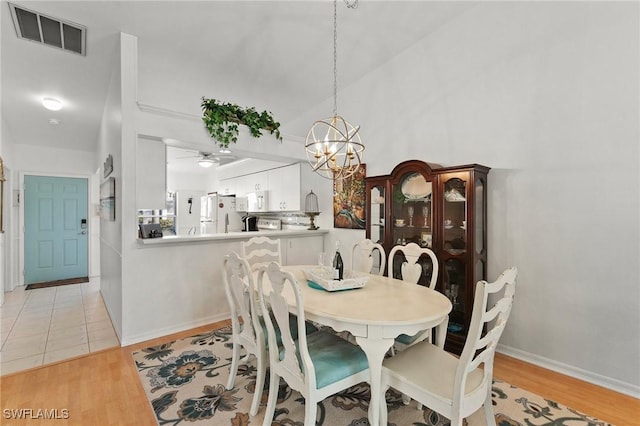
column 569, row 370
column 152, row 334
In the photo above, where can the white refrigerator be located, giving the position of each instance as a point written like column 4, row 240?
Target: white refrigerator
column 216, row 211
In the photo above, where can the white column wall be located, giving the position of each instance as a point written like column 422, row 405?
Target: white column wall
column 111, row 253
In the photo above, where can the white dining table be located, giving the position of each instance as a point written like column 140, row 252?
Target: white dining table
column 375, row 315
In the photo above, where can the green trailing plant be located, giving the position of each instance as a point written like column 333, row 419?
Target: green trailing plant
column 222, row 121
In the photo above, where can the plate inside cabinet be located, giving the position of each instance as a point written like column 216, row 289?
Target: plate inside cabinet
column 415, row 187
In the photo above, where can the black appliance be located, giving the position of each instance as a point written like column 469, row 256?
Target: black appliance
column 249, row 223
column 150, row 230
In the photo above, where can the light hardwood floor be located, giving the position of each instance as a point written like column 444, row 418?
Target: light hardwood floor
column 103, row 389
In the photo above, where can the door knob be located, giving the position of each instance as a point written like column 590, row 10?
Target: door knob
column 82, row 233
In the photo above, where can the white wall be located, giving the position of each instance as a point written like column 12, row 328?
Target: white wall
column 546, row 94
column 8, row 239
column 111, row 256
column 196, row 181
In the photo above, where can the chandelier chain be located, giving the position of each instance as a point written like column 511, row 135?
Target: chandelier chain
column 335, row 58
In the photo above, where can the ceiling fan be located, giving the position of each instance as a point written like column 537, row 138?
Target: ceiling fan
column 208, row 159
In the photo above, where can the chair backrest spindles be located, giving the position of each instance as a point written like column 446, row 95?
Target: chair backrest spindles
column 284, row 282
column 411, row 270
column 260, row 251
column 362, row 256
column 238, row 284
column 480, row 348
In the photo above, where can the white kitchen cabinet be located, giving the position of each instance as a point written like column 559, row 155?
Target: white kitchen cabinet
column 284, row 188
column 301, row 250
column 228, row 186
column 251, row 183
column 289, row 186
column 151, row 174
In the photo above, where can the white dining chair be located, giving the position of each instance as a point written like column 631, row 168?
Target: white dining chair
column 411, row 271
column 363, row 256
column 247, row 330
column 456, row 387
column 317, row 365
column 260, row 251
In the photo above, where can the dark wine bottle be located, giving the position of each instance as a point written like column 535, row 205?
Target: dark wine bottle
column 338, row 266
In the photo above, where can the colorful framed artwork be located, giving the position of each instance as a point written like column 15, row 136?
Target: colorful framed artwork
column 349, row 200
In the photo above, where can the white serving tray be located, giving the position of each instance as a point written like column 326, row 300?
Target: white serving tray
column 324, row 278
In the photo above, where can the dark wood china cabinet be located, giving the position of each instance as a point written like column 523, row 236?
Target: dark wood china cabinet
column 445, row 209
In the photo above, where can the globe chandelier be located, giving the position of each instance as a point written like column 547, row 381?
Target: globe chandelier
column 334, row 148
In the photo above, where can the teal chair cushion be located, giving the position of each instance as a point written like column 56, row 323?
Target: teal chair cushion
column 406, row 339
column 334, row 358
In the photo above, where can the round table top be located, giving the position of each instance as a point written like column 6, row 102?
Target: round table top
column 382, row 301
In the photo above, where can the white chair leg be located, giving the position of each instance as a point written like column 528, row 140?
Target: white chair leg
column 310, row 412
column 274, row 381
column 384, row 411
column 489, row 417
column 233, row 370
column 456, row 419
column 257, row 396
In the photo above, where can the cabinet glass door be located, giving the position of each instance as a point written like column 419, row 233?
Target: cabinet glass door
column 412, row 212
column 455, row 216
column 454, row 277
column 377, row 224
column 455, row 244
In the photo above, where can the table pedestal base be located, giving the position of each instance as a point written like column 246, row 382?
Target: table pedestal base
column 376, row 349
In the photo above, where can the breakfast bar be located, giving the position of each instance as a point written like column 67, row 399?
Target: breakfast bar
column 183, row 289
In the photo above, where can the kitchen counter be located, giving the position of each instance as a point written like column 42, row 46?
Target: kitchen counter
column 172, row 239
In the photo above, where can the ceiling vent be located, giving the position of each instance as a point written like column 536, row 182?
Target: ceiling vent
column 34, row 26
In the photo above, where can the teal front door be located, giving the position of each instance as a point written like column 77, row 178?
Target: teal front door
column 56, row 228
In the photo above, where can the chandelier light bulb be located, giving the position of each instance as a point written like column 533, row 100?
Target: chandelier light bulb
column 52, row 104
column 338, row 154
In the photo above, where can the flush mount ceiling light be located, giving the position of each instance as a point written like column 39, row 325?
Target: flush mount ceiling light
column 52, row 104
column 333, row 146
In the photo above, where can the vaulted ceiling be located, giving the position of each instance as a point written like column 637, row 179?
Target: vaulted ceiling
column 275, row 55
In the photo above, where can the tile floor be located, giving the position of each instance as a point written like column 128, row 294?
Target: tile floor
column 52, row 324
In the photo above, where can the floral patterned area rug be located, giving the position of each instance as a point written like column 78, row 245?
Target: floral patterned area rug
column 185, row 383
